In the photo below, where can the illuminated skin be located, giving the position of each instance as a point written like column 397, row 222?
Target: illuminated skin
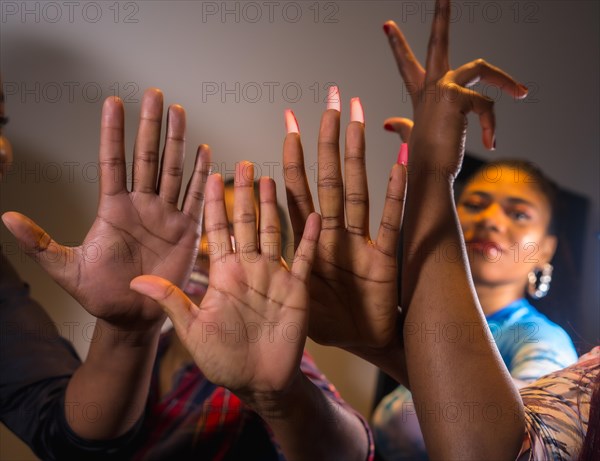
column 248, row 286
column 198, row 283
column 176, row 356
column 504, row 217
column 145, row 219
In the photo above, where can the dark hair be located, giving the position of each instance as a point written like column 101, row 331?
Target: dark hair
column 533, row 176
column 283, row 219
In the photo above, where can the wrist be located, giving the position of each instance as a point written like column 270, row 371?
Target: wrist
column 281, row 404
column 434, row 162
column 127, row 336
column 390, row 358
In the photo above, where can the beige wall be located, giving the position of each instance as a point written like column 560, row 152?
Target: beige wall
column 59, row 59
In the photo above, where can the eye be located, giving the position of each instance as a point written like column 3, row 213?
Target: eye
column 473, row 205
column 519, row 215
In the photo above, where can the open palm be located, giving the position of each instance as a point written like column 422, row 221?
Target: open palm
column 135, row 232
column 354, row 294
column 249, row 331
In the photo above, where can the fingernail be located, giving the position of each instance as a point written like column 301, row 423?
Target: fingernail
column 386, row 29
column 494, row 143
column 356, row 111
column 291, row 124
column 388, row 127
column 523, row 90
column 403, row 154
column 333, row 98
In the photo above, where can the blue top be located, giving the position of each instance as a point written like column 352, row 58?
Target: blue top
column 531, row 346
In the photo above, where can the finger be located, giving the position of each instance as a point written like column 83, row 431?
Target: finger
column 393, row 209
column 299, row 198
column 409, row 66
column 472, row 72
column 356, row 190
column 180, row 309
column 484, row 108
column 333, row 98
column 171, row 170
column 437, row 50
column 145, row 152
column 270, row 227
column 401, row 126
column 305, row 254
column 38, row 244
column 329, row 177
column 244, row 209
column 215, row 220
column 193, row 201
column 112, row 148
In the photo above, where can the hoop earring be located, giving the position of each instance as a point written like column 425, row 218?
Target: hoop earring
column 539, row 288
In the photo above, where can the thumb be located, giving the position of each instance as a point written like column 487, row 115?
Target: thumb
column 173, row 301
column 38, row 245
column 400, row 125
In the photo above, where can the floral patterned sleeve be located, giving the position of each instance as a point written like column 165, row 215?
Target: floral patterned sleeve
column 557, row 409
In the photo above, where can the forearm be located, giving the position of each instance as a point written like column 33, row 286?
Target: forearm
column 451, row 357
column 391, row 359
column 309, row 425
column 107, row 395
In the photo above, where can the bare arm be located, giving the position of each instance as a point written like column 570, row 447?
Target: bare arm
column 453, row 364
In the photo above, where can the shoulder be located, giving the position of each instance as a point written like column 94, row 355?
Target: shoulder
column 557, row 408
column 536, row 327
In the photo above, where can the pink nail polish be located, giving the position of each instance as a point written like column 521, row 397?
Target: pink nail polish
column 333, row 98
column 403, row 154
column 356, row 111
column 291, row 124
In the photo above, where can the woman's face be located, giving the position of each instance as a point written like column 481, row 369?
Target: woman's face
column 504, row 217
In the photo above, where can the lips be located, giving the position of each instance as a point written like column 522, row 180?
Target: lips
column 485, row 247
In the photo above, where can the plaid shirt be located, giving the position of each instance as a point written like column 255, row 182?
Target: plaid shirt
column 199, row 420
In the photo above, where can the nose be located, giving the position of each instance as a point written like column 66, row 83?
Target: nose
column 493, row 218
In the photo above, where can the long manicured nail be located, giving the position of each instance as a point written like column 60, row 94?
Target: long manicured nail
column 494, row 143
column 333, row 98
column 291, row 124
column 389, row 127
column 524, row 91
column 403, row 154
column 386, row 29
column 356, row 111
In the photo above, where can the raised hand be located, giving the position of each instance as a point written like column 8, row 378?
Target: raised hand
column 440, row 83
column 249, row 331
column 354, row 295
column 137, row 231
column 439, row 291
